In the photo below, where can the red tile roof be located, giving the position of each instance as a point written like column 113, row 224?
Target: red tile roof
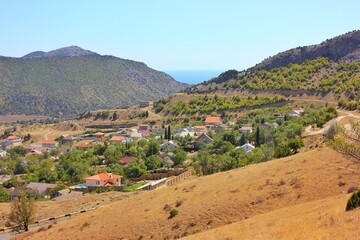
column 12, row 137
column 212, row 119
column 99, row 134
column 126, row 159
column 144, row 132
column 103, row 177
column 117, row 138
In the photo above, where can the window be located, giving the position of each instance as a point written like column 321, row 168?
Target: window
column 97, row 182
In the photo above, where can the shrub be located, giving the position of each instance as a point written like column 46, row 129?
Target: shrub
column 173, row 213
column 353, row 202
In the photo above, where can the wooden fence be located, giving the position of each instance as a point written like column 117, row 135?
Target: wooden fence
column 177, row 179
column 43, row 221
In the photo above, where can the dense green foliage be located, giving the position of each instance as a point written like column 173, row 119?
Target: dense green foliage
column 317, row 75
column 354, row 201
column 64, row 86
column 285, row 140
column 208, row 104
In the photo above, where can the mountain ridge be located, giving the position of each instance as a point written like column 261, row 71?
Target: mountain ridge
column 71, row 51
column 342, row 47
column 63, row 85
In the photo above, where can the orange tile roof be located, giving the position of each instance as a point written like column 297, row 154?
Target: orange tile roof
column 103, row 177
column 99, row 134
column 117, row 138
column 212, row 119
column 83, row 145
column 200, row 127
column 126, row 159
column 12, row 137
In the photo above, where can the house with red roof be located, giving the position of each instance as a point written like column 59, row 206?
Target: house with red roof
column 49, row 144
column 103, row 180
column 212, row 121
column 99, row 135
column 126, row 160
column 117, row 139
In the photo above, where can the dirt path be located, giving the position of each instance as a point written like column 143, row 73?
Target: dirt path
column 344, row 114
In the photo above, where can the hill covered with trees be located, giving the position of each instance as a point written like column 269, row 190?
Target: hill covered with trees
column 68, row 81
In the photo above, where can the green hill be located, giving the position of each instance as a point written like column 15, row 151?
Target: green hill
column 68, row 81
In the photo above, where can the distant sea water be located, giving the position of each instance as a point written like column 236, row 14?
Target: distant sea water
column 194, row 76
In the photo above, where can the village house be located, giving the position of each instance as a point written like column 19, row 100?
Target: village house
column 247, row 147
column 83, row 145
column 145, row 132
column 144, row 127
column 41, row 188
column 200, row 130
column 11, row 141
column 297, row 112
column 212, row 121
column 168, row 145
column 49, row 144
column 16, row 141
column 246, row 129
column 203, row 139
column 103, row 180
column 118, row 139
column 185, row 132
column 135, row 136
column 99, row 135
column 126, row 160
column 69, row 138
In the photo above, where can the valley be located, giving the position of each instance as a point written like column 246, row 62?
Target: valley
column 271, row 152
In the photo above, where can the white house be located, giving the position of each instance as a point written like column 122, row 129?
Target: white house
column 185, row 132
column 103, row 180
column 168, row 145
column 247, row 147
column 246, row 129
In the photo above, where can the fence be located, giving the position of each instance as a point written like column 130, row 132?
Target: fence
column 43, row 221
column 177, row 179
column 154, row 176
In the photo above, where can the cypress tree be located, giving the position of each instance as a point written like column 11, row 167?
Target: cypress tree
column 257, row 137
column 169, row 133
column 165, row 136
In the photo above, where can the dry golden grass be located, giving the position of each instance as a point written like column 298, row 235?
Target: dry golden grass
column 224, row 198
column 322, row 219
column 52, row 208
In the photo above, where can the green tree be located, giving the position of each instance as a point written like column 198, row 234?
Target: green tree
column 257, row 137
column 169, row 133
column 179, row 156
column 152, row 162
column 135, row 170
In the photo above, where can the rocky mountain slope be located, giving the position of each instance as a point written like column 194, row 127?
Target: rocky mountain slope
column 71, row 80
column 343, row 47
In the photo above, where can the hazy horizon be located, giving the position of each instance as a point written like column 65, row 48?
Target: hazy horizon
column 193, row 76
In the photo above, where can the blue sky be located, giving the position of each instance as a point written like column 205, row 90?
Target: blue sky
column 174, row 35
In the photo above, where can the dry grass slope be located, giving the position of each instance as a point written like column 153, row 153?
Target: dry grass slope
column 224, row 198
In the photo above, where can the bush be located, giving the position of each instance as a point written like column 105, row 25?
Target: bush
column 173, row 213
column 354, row 201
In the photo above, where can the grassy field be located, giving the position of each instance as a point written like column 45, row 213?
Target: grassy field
column 294, row 187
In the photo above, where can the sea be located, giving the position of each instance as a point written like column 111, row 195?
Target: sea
column 193, row 76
